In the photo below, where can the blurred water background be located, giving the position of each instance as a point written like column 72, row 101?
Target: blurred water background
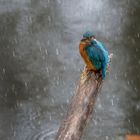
column 40, row 65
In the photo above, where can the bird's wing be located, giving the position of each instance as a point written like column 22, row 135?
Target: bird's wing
column 95, row 55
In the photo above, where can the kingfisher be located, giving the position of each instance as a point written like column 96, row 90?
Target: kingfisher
column 94, row 54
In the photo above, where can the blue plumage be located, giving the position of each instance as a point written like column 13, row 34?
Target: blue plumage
column 98, row 56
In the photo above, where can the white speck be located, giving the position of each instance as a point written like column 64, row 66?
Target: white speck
column 47, row 69
column 57, row 82
column 95, row 110
column 38, row 97
column 40, row 49
column 61, row 114
column 37, row 89
column 57, row 52
column 138, row 106
column 106, row 137
column 33, row 127
column 14, row 133
column 48, row 1
column 3, row 70
column 15, row 40
column 14, row 53
column 62, row 107
column 52, row 100
column 67, row 100
column 133, row 41
column 139, row 62
column 49, row 18
column 112, row 102
column 125, row 74
column 95, row 122
column 138, row 35
column 100, row 106
column 128, row 82
column 20, row 104
column 46, row 51
column 39, row 122
column 135, row 89
column 30, row 19
column 45, row 89
column 26, row 84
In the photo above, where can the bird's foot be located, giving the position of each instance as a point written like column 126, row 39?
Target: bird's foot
column 98, row 76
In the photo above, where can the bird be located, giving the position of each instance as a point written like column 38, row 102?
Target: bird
column 94, row 54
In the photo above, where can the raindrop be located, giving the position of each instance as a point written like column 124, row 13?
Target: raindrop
column 29, row 19
column 125, row 74
column 57, row 52
column 26, row 85
column 49, row 19
column 39, row 122
column 47, row 69
column 128, row 82
column 61, row 114
column 13, row 87
column 137, row 129
column 33, row 127
column 15, row 41
column 20, row 104
column 95, row 110
column 3, row 70
column 67, row 101
column 137, row 50
column 38, row 97
column 40, row 49
column 45, row 89
column 52, row 100
column 138, row 107
column 37, row 89
column 100, row 106
column 57, row 82
column 95, row 122
column 112, row 102
column 14, row 133
column 138, row 35
column 135, row 89
column 133, row 41
column 46, row 51
column 139, row 62
column 64, row 67
column 62, row 107
column 48, row 1
column 106, row 137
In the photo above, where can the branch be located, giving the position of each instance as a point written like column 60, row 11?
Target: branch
column 81, row 107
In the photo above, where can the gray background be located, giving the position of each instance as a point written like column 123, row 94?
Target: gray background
column 40, row 66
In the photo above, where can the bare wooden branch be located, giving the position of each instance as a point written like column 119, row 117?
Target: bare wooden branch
column 81, row 107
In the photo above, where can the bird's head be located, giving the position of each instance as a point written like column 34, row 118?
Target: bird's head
column 88, row 35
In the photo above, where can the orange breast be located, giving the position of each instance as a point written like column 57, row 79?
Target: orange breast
column 82, row 45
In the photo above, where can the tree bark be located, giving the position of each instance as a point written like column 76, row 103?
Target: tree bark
column 81, row 107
